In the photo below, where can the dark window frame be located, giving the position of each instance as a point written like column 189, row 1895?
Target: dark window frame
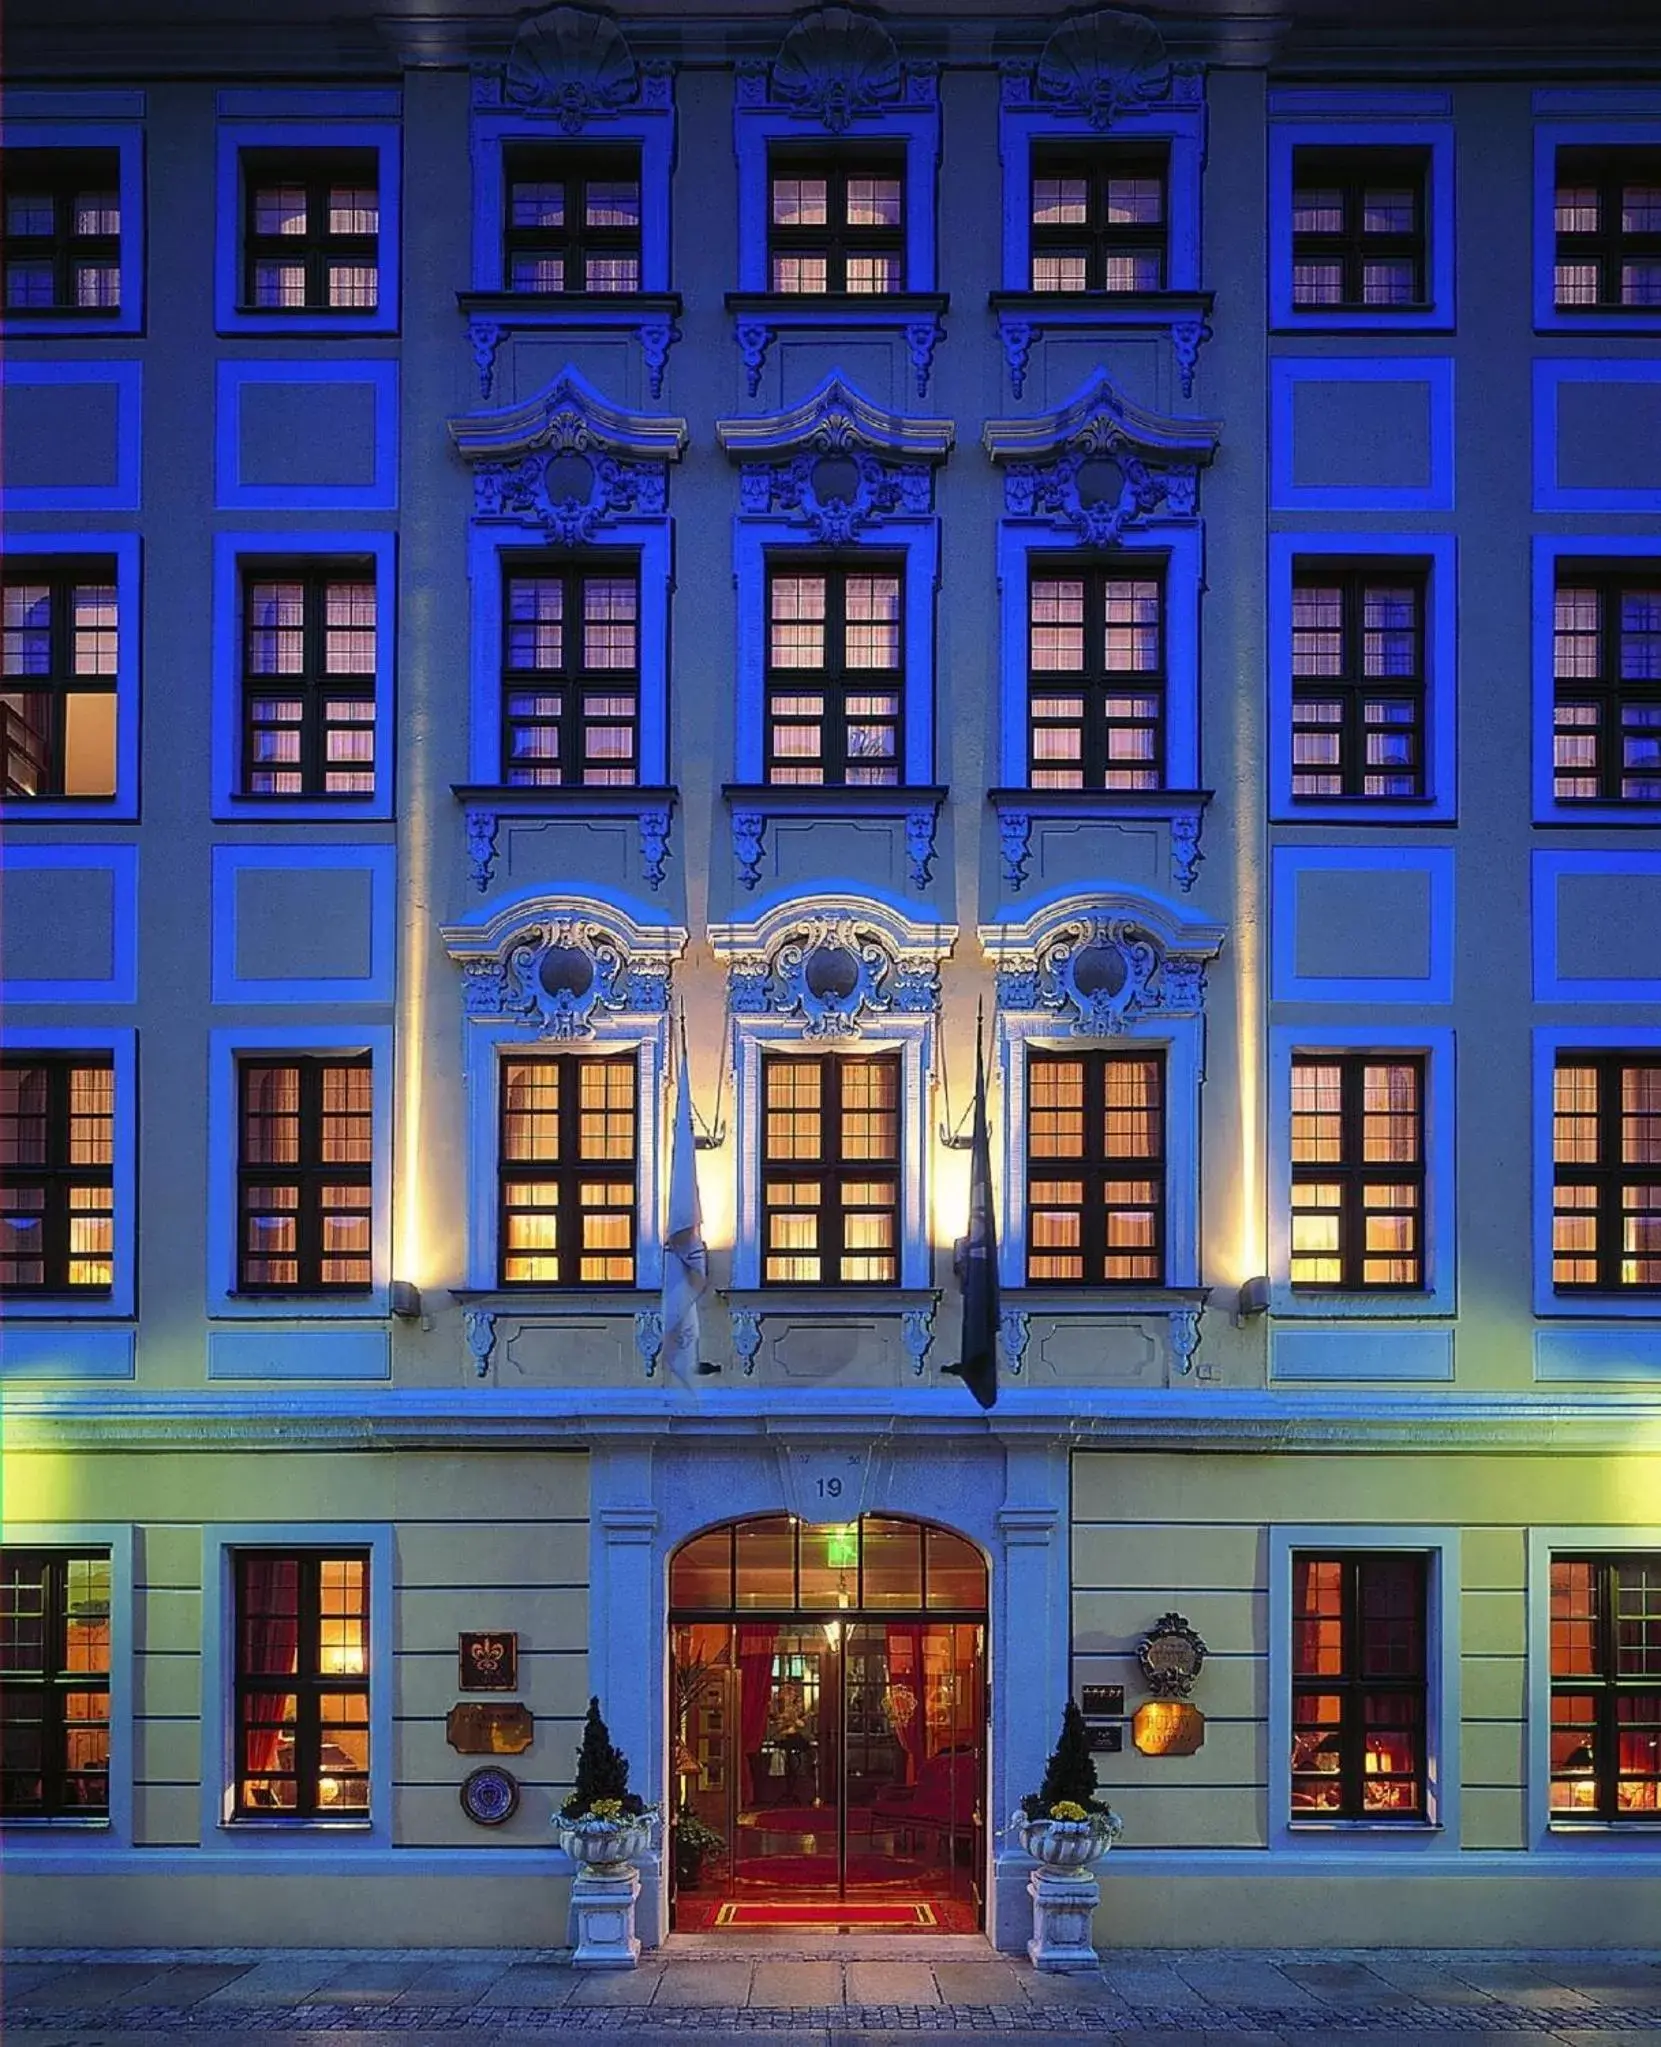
column 1354, row 1172
column 1612, row 696
column 569, row 1170
column 1097, row 238
column 1607, row 1687
column 835, row 681
column 52, row 1683
column 1352, row 169
column 315, row 171
column 1354, row 1687
column 63, row 174
column 63, row 574
column 574, row 166
column 313, row 684
column 56, row 1175
column 1096, row 1169
column 573, row 767
column 836, row 240
column 1095, row 681
column 309, row 1686
column 1352, row 687
column 1607, row 1175
column 831, row 1169
column 1608, row 168
column 308, row 1173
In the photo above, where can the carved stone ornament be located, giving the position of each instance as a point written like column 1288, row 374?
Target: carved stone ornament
column 837, row 967
column 571, row 63
column 836, row 460
column 1171, row 1655
column 568, row 460
column 559, row 965
column 836, row 64
column 1101, row 463
column 1099, row 965
column 1102, row 65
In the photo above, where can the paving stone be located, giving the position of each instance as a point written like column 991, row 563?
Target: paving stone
column 891, row 1983
column 703, row 1982
column 1149, row 1983
column 1345, row 1983
column 376, row 1982
column 84, row 1986
column 457, row 1983
column 279, row 1979
column 780, row 1986
column 531, row 1983
column 614, row 1986
column 978, row 1983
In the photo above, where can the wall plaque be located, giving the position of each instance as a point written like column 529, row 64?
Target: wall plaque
column 1172, row 1656
column 1107, row 1741
column 1101, row 1702
column 490, row 1795
column 1168, row 1727
column 480, row 1730
column 488, row 1662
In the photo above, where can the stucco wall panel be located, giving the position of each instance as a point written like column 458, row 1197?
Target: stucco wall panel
column 1493, row 1687
column 1219, row 1559
column 1231, row 1622
column 1193, row 1815
column 1492, row 1623
column 1493, row 1816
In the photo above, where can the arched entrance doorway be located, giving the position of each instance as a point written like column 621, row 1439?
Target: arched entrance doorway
column 827, row 1723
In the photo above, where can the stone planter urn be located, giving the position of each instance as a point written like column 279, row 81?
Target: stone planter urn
column 606, row 1888
column 1063, row 1887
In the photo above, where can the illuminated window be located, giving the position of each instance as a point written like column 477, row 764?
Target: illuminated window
column 55, row 1667
column 1606, row 1173
column 308, row 678
column 1607, row 225
column 1095, row 1169
column 304, row 1180
column 1606, row 1688
column 1096, row 668
column 835, row 671
column 58, row 674
column 830, row 1176
column 566, row 1171
column 1358, row 228
column 835, row 222
column 1358, row 1172
column 1606, row 685
column 302, row 1685
column 1358, row 1686
column 572, row 220
column 311, row 230
column 1098, row 218
column 62, row 230
column 57, row 1175
column 1358, row 681
column 571, row 681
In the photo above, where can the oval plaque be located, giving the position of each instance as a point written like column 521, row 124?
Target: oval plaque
column 490, row 1795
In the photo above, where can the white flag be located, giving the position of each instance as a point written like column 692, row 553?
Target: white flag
column 685, row 1260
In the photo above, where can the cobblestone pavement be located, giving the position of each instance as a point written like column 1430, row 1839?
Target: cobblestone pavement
column 834, row 1991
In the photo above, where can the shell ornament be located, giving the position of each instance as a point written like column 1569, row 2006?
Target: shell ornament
column 571, row 63
column 836, row 64
column 1103, row 63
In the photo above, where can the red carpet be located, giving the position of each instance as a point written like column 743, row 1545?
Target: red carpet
column 832, row 1915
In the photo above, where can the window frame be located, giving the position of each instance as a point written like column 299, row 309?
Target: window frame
column 279, row 121
column 1095, row 1168
column 1353, row 1173
column 570, row 567
column 226, row 1048
column 50, row 1837
column 1551, row 552
column 1368, row 122
column 1438, row 1833
column 124, row 550
column 1096, row 569
column 73, row 121
column 837, row 160
column 571, row 1169
column 231, row 553
column 1548, row 1303
column 836, row 681
column 1439, row 1296
column 307, row 1172
column 561, row 155
column 1603, row 1174
column 56, row 1216
column 316, row 574
column 832, row 1166
column 316, row 173
column 1606, row 1685
column 1597, row 118
column 54, row 1723
column 1056, row 157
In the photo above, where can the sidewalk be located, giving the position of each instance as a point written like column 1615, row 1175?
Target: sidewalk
column 833, row 1990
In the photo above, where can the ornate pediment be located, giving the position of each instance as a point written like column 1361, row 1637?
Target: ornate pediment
column 1101, row 66
column 1101, row 463
column 838, row 964
column 573, row 64
column 568, row 459
column 835, row 65
column 1100, row 962
column 562, row 963
column 836, row 461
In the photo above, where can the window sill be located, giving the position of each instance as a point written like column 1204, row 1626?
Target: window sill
column 249, row 1823
column 1403, row 813
column 1182, row 809
column 1026, row 316
column 1364, row 1827
column 1413, row 320
column 1567, row 1827
column 752, row 804
column 57, row 1823
column 758, row 315
column 651, row 805
column 345, row 322
column 493, row 315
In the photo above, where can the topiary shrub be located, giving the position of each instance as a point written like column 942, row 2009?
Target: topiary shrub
column 602, row 1775
column 1069, row 1775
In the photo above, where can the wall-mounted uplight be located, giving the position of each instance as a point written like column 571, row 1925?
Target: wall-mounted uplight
column 1254, row 1298
column 405, row 1300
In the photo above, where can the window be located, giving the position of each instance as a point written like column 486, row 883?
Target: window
column 1606, row 1176
column 836, row 222
column 55, row 1672
column 835, row 672
column 1606, row 218
column 566, row 1171
column 304, row 1181
column 311, row 230
column 1358, row 228
column 1096, row 663
column 62, row 230
column 1606, row 1688
column 571, row 681
column 830, row 1176
column 1358, row 1175
column 1359, row 1657
column 572, row 220
column 1098, row 218
column 302, row 1685
column 57, row 1146
column 1606, row 684
column 1096, row 1169
column 308, row 678
column 1358, row 680
column 61, row 638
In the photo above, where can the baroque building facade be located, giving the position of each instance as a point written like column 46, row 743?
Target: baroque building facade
column 533, row 541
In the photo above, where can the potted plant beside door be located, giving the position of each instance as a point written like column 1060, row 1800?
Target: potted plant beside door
column 1067, row 1830
column 602, row 1826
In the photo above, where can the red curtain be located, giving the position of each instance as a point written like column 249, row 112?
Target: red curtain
column 905, row 1681
column 270, row 1629
column 755, row 1696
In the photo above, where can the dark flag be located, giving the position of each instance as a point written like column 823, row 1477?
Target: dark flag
column 978, row 1267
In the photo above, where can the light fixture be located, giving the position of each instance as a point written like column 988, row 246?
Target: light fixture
column 406, row 1300
column 1254, row 1297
